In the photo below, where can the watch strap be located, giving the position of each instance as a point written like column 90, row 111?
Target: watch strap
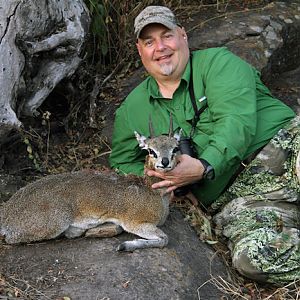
column 209, row 172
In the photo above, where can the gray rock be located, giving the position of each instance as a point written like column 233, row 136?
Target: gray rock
column 277, row 26
column 275, row 49
column 288, row 21
column 257, row 29
column 91, row 268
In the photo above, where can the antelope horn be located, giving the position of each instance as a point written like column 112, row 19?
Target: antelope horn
column 171, row 126
column 151, row 131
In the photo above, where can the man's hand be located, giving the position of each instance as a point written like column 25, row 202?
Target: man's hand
column 187, row 171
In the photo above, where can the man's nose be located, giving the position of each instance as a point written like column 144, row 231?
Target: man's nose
column 160, row 45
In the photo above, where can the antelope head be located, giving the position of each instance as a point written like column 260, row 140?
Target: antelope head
column 162, row 149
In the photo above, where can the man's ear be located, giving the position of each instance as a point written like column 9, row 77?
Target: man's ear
column 138, row 47
column 183, row 33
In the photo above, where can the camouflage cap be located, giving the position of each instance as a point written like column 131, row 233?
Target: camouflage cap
column 154, row 14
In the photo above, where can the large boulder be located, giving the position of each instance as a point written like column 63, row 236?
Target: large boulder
column 91, row 268
column 268, row 38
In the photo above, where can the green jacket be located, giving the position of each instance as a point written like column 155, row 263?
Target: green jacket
column 241, row 117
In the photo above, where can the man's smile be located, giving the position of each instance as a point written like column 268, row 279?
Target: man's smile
column 163, row 58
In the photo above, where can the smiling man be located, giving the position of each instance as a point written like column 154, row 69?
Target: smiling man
column 244, row 143
column 164, row 54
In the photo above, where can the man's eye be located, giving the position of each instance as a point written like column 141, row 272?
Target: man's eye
column 168, row 36
column 148, row 43
column 151, row 152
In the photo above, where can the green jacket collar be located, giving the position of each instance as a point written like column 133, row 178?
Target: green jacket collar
column 153, row 89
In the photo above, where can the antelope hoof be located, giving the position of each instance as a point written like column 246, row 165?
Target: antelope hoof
column 121, row 248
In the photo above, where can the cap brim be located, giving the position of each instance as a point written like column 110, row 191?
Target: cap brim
column 155, row 20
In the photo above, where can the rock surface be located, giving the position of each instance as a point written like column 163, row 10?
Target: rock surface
column 267, row 38
column 91, row 268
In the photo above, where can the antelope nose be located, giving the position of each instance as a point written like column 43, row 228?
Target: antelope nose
column 165, row 161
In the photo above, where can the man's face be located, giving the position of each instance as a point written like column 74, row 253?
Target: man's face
column 164, row 52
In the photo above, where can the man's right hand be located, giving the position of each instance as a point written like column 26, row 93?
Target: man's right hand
column 188, row 170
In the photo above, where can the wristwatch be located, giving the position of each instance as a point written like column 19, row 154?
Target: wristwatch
column 209, row 172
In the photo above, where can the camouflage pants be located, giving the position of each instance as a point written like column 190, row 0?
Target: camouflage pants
column 261, row 221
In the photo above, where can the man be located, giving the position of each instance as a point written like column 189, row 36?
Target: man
column 238, row 118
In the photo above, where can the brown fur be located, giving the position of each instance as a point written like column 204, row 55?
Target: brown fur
column 72, row 203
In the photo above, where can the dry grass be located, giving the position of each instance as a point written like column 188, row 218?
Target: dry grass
column 252, row 291
column 13, row 288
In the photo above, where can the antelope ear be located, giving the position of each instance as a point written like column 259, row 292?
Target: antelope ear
column 177, row 135
column 141, row 140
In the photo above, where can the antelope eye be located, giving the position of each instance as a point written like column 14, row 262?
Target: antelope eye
column 175, row 150
column 151, row 152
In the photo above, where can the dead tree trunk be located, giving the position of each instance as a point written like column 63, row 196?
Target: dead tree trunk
column 40, row 44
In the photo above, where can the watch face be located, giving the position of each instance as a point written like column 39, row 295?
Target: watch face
column 210, row 173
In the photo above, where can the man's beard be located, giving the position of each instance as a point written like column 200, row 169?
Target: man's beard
column 166, row 69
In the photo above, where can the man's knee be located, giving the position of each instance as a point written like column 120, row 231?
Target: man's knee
column 266, row 255
column 243, row 265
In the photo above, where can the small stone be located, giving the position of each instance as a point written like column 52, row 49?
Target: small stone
column 282, row 4
column 266, row 18
column 267, row 53
column 271, row 35
column 256, row 28
column 277, row 26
